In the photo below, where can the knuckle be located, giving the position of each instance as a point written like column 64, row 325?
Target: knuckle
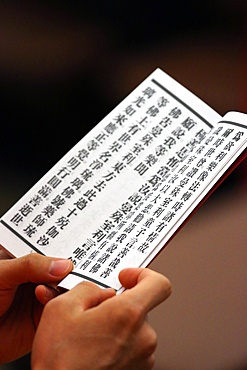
column 148, row 340
column 57, row 306
column 152, row 343
column 125, row 315
column 90, row 286
column 116, row 312
column 132, row 313
column 135, row 312
column 166, row 286
column 31, row 261
column 49, row 308
column 151, row 362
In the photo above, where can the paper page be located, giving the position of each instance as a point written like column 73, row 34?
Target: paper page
column 114, row 199
column 170, row 199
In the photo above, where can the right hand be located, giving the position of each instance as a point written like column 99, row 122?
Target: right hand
column 90, row 328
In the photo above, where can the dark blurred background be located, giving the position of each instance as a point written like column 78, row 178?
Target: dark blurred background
column 65, row 65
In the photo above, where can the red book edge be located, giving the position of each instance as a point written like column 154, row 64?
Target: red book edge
column 236, row 163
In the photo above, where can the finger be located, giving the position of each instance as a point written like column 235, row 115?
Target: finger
column 88, row 295
column 3, row 255
column 144, row 342
column 44, row 294
column 151, row 362
column 145, row 287
column 33, row 268
column 143, row 348
column 144, row 364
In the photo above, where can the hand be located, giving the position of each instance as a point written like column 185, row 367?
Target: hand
column 91, row 328
column 20, row 311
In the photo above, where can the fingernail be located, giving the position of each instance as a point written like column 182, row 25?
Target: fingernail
column 59, row 267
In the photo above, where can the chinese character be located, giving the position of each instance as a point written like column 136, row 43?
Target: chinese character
column 117, row 216
column 162, row 102
column 54, row 181
column 62, row 222
column 43, row 240
column 140, row 100
column 111, row 128
column 189, row 123
column 102, row 259
column 16, row 219
column 83, row 154
column 81, row 203
column 227, row 132
column 49, row 211
column 25, row 210
column 151, row 160
column 175, row 112
column 129, row 110
column 120, row 119
column 141, row 168
column 100, row 185
column 142, row 248
column 99, row 235
column 178, row 132
column 92, row 145
column 149, row 92
column 86, row 174
column 39, row 220
column 73, row 163
column 202, row 176
column 30, row 230
column 45, row 191
column 106, row 273
column 63, row 172
column 77, row 183
column 90, row 194
column 123, row 252
column 96, row 164
column 101, row 137
column 36, row 200
column 95, row 268
column 114, row 262
column 169, row 141
column 68, row 192
column 105, row 156
column 153, row 111
column 58, row 201
column 147, row 139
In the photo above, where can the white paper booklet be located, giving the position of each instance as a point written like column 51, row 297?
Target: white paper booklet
column 122, row 192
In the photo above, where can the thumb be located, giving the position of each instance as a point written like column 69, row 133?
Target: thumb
column 145, row 286
column 33, row 268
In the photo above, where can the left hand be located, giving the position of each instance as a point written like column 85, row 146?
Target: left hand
column 20, row 311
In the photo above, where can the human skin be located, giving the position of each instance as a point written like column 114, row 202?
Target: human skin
column 20, row 310
column 92, row 328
